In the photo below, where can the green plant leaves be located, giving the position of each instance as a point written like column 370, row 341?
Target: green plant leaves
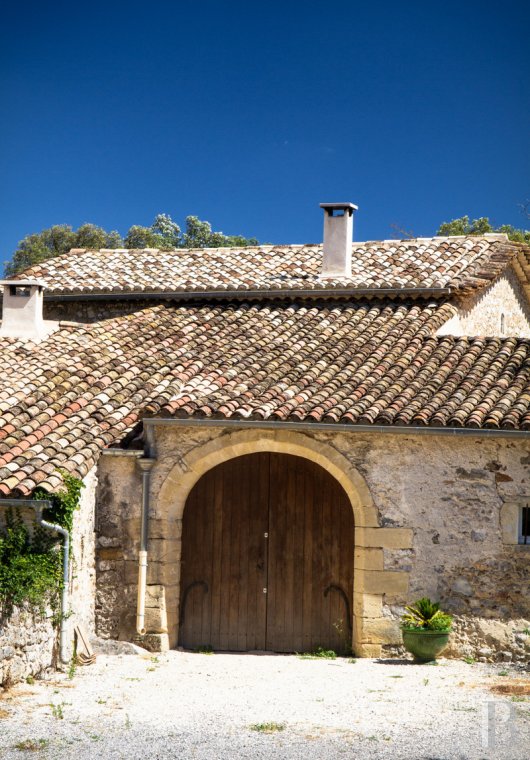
column 425, row 614
column 30, row 558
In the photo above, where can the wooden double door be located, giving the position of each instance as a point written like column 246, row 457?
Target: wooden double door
column 267, row 558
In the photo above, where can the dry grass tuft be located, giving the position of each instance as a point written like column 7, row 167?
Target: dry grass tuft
column 517, row 686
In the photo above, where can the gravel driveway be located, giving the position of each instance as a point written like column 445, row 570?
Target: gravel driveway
column 186, row 705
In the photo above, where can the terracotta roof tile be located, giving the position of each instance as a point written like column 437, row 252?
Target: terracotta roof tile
column 86, row 387
column 461, row 263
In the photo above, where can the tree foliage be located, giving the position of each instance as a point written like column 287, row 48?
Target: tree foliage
column 200, row 235
column 59, row 239
column 480, row 226
column 164, row 234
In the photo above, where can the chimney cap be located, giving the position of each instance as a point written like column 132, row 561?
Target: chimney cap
column 351, row 207
column 24, row 283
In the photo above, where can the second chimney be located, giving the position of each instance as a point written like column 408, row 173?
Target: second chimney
column 22, row 310
column 338, row 238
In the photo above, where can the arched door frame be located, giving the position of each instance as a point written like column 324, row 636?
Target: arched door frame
column 370, row 579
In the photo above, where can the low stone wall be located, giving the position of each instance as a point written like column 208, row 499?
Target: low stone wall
column 489, row 640
column 27, row 645
column 27, row 638
column 477, row 638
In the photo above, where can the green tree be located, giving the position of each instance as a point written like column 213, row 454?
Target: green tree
column 200, row 235
column 92, row 237
column 41, row 246
column 168, row 229
column 480, row 226
column 164, row 234
column 141, row 237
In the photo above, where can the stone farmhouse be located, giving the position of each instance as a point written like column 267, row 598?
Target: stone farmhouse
column 281, row 445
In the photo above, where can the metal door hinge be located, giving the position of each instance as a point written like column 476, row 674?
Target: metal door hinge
column 265, row 535
column 264, row 590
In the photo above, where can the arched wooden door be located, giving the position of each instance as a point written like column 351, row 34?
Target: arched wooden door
column 267, row 558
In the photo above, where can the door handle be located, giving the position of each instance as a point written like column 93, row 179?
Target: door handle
column 194, row 584
column 344, row 596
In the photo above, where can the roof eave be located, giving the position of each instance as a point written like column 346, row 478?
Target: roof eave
column 287, row 293
column 151, row 422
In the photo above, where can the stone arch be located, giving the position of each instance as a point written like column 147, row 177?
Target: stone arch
column 186, row 472
column 370, row 580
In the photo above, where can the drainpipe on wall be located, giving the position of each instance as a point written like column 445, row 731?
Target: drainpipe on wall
column 64, row 594
column 38, row 505
column 145, row 464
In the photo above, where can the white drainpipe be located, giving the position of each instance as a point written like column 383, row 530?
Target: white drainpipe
column 63, row 656
column 145, row 464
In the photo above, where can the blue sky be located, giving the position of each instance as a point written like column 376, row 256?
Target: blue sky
column 249, row 114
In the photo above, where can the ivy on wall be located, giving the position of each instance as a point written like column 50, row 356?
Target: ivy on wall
column 64, row 503
column 30, row 559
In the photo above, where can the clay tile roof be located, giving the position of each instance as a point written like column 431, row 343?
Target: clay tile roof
column 459, row 263
column 86, row 387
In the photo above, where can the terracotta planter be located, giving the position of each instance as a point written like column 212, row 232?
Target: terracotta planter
column 424, row 645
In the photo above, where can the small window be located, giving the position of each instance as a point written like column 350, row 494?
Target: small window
column 524, row 525
column 502, row 324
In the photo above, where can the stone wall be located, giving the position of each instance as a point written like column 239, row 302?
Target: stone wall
column 27, row 645
column 500, row 310
column 95, row 310
column 82, row 568
column 27, row 637
column 118, row 506
column 437, row 531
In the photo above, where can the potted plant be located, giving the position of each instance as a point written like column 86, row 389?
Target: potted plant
column 425, row 629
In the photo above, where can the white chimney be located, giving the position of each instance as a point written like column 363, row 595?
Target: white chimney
column 22, row 310
column 338, row 238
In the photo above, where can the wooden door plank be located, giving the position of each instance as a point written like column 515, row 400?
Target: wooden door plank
column 232, row 566
column 326, row 637
column 224, row 578
column 290, row 508
column 258, row 549
column 318, row 550
column 217, row 555
column 279, row 596
column 244, row 551
column 307, row 567
column 206, row 539
column 330, row 620
column 299, row 479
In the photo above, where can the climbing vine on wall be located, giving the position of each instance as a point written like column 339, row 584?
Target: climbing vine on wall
column 64, row 503
column 30, row 556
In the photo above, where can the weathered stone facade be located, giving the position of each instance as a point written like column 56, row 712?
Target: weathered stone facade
column 501, row 309
column 27, row 644
column 28, row 637
column 82, row 590
column 94, row 310
column 427, row 510
column 118, row 505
